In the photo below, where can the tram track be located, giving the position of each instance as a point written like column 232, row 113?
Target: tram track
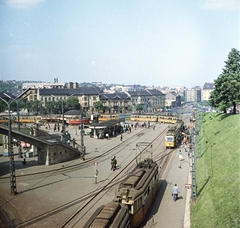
column 91, row 196
column 70, row 222
column 83, row 164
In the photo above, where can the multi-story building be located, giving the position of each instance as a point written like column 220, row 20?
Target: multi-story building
column 87, row 96
column 117, row 102
column 172, row 100
column 150, row 100
column 206, row 90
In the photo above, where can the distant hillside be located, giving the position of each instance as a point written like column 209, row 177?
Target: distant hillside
column 218, row 172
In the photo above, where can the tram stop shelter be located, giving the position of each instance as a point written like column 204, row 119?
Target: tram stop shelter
column 105, row 129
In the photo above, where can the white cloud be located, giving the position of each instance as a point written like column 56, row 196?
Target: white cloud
column 23, row 4
column 221, row 4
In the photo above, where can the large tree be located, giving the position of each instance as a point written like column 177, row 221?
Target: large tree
column 226, row 92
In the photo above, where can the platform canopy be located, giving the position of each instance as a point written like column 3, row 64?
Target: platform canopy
column 105, row 124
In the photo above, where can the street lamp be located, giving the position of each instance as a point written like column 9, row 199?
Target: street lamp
column 81, row 132
column 10, row 149
column 17, row 101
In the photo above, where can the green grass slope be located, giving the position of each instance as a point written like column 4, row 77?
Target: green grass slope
column 217, row 170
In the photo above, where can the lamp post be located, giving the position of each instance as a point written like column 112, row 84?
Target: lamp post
column 17, row 102
column 81, row 132
column 13, row 185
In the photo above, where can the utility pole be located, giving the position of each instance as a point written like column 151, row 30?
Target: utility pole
column 13, row 184
column 81, row 133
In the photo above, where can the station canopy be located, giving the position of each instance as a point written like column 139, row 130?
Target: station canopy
column 105, row 124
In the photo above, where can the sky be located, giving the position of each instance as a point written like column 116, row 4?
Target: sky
column 148, row 42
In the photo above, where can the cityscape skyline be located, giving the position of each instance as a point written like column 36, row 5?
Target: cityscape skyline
column 145, row 43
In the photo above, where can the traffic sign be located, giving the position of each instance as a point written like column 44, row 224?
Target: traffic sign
column 188, row 186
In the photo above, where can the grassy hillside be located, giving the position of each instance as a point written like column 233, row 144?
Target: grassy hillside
column 218, row 172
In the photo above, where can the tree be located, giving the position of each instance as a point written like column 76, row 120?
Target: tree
column 98, row 106
column 49, row 106
column 139, row 107
column 36, row 106
column 226, row 92
column 71, row 103
column 3, row 106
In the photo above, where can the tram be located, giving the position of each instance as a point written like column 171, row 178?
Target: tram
column 106, row 117
column 111, row 215
column 22, row 119
column 173, row 136
column 77, row 121
column 138, row 190
column 144, row 117
column 165, row 119
column 168, row 119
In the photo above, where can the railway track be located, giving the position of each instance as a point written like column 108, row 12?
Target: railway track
column 86, row 207
column 94, row 197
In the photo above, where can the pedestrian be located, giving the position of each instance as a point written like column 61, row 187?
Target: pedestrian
column 189, row 153
column 185, row 147
column 175, row 191
column 74, row 142
column 24, row 159
column 113, row 163
column 180, row 155
column 121, row 138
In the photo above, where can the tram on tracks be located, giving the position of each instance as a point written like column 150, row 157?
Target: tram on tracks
column 144, row 117
column 112, row 214
column 166, row 119
column 174, row 135
column 106, row 117
column 138, row 190
column 134, row 197
column 22, row 118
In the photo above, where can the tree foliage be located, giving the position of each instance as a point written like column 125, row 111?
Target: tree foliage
column 72, row 103
column 139, row 107
column 226, row 92
column 98, row 106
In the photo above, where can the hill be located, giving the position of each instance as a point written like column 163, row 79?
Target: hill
column 217, row 173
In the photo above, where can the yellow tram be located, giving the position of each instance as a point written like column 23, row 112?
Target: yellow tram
column 138, row 190
column 105, row 117
column 173, row 136
column 144, row 117
column 168, row 119
column 22, row 119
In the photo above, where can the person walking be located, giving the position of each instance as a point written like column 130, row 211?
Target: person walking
column 121, row 137
column 24, row 159
column 113, row 163
column 180, row 155
column 175, row 191
column 189, row 153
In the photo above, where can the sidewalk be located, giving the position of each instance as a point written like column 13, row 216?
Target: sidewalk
column 167, row 213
